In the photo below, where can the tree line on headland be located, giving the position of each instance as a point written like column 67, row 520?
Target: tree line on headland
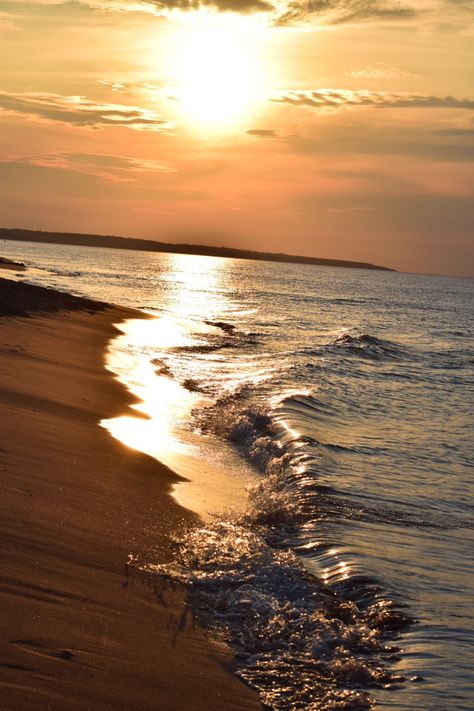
column 110, row 241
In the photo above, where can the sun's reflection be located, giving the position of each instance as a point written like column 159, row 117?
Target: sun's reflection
column 338, row 569
column 140, row 359
column 161, row 400
column 197, row 287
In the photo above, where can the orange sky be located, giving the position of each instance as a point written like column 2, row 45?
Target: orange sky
column 332, row 128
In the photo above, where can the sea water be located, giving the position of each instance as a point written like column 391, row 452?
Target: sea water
column 342, row 399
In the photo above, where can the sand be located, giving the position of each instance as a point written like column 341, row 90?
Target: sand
column 77, row 632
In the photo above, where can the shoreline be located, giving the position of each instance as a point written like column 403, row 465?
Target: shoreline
column 204, row 486
column 76, row 503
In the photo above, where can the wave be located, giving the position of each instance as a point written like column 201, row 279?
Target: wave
column 309, row 628
column 280, row 442
column 351, row 302
column 223, row 325
column 294, row 465
column 162, row 367
column 296, row 641
column 65, row 272
column 193, row 386
column 232, row 339
column 366, row 346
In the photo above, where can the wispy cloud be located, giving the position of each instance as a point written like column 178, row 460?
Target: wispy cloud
column 462, row 132
column 340, row 11
column 280, row 12
column 283, row 12
column 108, row 168
column 80, row 111
column 340, row 99
column 381, row 71
column 270, row 133
column 130, row 87
column 9, row 22
column 164, row 7
column 263, row 133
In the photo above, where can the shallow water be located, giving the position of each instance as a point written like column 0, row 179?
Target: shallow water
column 345, row 396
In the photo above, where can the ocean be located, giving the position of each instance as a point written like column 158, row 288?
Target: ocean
column 322, row 420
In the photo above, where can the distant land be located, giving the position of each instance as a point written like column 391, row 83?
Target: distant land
column 148, row 245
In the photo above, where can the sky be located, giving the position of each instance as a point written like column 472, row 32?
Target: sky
column 331, row 128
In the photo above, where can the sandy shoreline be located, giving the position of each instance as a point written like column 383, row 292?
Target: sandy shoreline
column 76, row 633
column 11, row 265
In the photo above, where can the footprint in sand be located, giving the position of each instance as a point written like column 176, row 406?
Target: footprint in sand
column 35, row 646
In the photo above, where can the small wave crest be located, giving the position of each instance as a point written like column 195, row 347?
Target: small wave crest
column 249, row 427
column 223, row 325
column 366, row 346
column 230, row 338
column 162, row 367
column 65, row 272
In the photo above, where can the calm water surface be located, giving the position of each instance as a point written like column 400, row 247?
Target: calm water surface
column 344, row 398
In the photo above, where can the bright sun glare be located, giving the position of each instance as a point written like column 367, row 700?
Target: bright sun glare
column 216, row 68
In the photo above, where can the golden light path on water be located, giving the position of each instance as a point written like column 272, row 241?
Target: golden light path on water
column 213, row 482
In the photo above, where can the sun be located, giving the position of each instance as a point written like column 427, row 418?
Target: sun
column 217, row 69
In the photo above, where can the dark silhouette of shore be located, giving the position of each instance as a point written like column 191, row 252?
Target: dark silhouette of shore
column 87, row 240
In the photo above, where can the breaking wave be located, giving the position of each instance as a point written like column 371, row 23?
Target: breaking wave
column 303, row 640
column 299, row 643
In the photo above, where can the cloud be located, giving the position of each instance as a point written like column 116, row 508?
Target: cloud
column 389, row 141
column 339, row 99
column 279, row 12
column 108, row 168
column 262, row 133
column 464, row 4
column 166, row 213
column 340, row 11
column 433, row 136
column 350, row 208
column 270, row 133
column 282, row 12
column 130, row 87
column 468, row 132
column 164, row 7
column 381, row 71
column 8, row 22
column 80, row 111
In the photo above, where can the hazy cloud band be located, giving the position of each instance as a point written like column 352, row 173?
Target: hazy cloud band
column 338, row 99
column 80, row 111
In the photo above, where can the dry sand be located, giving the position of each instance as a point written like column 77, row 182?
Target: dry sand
column 76, row 633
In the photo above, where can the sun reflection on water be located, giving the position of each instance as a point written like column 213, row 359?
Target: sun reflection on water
column 161, row 400
column 164, row 405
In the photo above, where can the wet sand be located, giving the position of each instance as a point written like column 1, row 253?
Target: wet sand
column 76, row 631
column 11, row 265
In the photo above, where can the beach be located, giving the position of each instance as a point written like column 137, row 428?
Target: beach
column 341, row 574
column 78, row 630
